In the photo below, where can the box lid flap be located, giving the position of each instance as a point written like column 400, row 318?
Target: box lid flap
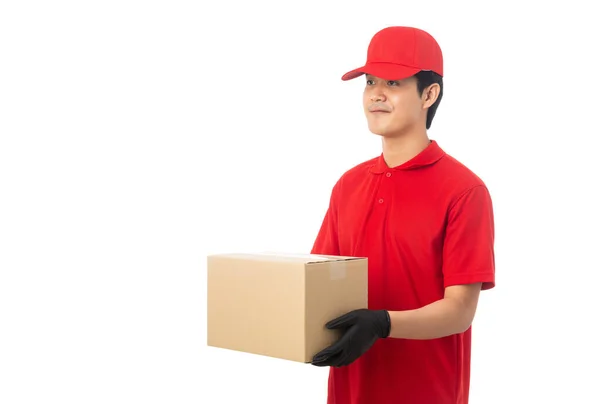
column 289, row 257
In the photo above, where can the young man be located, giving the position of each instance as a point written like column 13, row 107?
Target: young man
column 425, row 223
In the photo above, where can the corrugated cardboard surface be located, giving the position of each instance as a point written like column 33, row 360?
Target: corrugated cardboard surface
column 277, row 304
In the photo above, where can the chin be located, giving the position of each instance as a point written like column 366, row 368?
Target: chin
column 389, row 132
column 379, row 131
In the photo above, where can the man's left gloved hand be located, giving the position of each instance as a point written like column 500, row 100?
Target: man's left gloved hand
column 361, row 329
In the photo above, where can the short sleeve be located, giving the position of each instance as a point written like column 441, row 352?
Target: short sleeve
column 468, row 255
column 326, row 242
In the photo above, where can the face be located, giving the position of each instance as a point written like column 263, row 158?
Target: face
column 394, row 108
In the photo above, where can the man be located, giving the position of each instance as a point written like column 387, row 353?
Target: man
column 425, row 223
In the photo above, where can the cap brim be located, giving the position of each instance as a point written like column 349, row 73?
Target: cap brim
column 386, row 71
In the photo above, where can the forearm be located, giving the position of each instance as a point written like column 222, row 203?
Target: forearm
column 439, row 319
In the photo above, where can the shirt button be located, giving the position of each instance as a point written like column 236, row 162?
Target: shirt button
column 388, row 175
column 381, row 201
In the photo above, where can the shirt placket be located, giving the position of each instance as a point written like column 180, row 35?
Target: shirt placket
column 379, row 232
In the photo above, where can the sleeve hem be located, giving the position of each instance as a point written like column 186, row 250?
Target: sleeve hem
column 486, row 278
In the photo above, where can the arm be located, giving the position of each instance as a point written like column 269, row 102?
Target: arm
column 451, row 315
column 468, row 268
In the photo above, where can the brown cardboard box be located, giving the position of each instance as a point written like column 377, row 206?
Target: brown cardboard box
column 277, row 304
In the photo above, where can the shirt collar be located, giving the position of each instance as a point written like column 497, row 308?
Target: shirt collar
column 430, row 155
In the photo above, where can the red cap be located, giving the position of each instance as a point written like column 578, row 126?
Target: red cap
column 396, row 53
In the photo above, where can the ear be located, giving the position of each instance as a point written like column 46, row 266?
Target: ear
column 430, row 95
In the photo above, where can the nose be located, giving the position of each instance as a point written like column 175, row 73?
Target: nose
column 379, row 97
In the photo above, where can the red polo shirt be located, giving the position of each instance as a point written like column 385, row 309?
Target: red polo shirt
column 424, row 225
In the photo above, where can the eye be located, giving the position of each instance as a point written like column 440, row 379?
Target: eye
column 370, row 82
column 392, row 83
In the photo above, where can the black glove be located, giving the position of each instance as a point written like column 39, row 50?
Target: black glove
column 361, row 328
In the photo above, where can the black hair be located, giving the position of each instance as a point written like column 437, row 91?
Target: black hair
column 424, row 80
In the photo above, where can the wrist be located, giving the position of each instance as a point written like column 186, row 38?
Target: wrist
column 386, row 323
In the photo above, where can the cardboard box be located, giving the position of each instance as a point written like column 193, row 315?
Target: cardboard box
column 277, row 304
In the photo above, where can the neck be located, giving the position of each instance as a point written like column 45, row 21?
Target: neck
column 399, row 150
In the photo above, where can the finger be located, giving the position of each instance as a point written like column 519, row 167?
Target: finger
column 331, row 360
column 323, row 361
column 328, row 352
column 325, row 356
column 351, row 355
column 342, row 321
column 336, row 348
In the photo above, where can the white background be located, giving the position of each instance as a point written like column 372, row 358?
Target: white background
column 139, row 137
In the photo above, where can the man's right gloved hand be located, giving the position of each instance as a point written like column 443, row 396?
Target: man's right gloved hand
column 361, row 328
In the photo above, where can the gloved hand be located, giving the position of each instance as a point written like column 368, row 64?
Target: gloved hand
column 362, row 328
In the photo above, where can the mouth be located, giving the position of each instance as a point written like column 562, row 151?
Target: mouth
column 378, row 108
